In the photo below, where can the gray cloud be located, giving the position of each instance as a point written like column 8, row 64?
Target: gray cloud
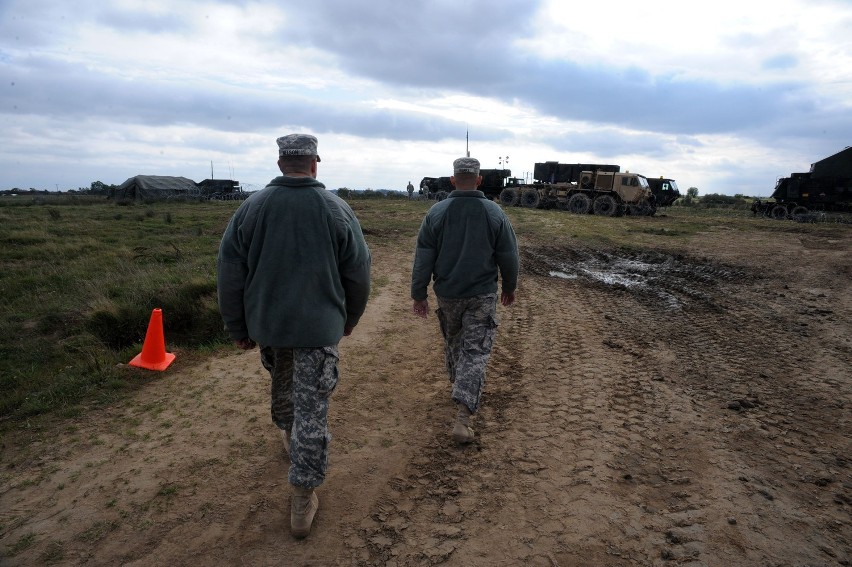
column 48, row 87
column 437, row 46
column 469, row 49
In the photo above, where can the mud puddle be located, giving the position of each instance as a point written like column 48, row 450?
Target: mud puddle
column 668, row 281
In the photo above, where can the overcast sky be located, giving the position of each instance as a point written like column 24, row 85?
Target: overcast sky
column 725, row 96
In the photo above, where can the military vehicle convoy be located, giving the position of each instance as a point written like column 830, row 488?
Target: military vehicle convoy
column 581, row 188
column 826, row 187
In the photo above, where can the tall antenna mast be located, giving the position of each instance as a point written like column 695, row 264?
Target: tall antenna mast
column 211, row 169
column 467, row 142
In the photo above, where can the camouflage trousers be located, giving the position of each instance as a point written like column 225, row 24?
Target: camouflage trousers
column 303, row 380
column 468, row 326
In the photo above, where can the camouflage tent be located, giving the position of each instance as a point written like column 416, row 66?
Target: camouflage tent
column 155, row 188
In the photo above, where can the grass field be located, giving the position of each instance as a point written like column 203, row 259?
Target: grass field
column 79, row 278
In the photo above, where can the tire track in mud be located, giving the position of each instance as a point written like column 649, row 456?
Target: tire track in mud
column 764, row 396
column 634, row 453
column 724, row 352
column 626, row 450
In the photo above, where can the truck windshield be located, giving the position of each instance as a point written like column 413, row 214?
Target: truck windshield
column 643, row 182
column 674, row 185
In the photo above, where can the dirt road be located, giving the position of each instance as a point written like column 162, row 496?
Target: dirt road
column 675, row 407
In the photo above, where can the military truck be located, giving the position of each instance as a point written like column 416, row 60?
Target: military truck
column 606, row 192
column 665, row 190
column 435, row 187
column 493, row 182
column 826, row 187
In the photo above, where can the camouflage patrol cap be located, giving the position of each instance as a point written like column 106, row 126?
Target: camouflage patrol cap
column 297, row 145
column 466, row 165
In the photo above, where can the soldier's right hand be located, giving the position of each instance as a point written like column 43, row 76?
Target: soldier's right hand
column 421, row 308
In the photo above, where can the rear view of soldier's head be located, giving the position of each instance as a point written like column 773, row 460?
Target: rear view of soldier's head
column 466, row 173
column 297, row 154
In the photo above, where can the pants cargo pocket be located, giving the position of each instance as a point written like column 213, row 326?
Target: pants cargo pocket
column 327, row 380
column 489, row 334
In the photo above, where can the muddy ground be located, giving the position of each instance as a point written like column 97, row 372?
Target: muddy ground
column 686, row 405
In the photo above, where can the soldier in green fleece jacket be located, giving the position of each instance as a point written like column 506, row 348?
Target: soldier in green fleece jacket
column 294, row 277
column 463, row 242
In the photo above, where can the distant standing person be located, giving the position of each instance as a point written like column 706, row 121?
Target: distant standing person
column 294, row 277
column 410, row 189
column 464, row 241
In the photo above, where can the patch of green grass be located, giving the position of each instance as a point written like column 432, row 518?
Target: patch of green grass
column 167, row 491
column 78, row 283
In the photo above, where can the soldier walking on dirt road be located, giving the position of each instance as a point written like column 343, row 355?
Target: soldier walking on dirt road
column 294, row 277
column 463, row 242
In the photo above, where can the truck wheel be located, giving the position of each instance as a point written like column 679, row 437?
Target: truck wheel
column 530, row 198
column 605, row 206
column 779, row 212
column 650, row 205
column 510, row 197
column 579, row 204
column 799, row 211
column 643, row 209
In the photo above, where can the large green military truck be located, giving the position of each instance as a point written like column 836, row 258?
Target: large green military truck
column 826, row 187
column 600, row 191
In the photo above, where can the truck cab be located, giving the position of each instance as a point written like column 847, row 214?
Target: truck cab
column 665, row 190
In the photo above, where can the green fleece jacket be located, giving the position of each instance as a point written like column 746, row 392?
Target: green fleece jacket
column 293, row 266
column 462, row 243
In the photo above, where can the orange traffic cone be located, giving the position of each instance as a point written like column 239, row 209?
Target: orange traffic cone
column 154, row 355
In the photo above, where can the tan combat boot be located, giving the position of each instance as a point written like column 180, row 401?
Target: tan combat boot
column 462, row 433
column 302, row 510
